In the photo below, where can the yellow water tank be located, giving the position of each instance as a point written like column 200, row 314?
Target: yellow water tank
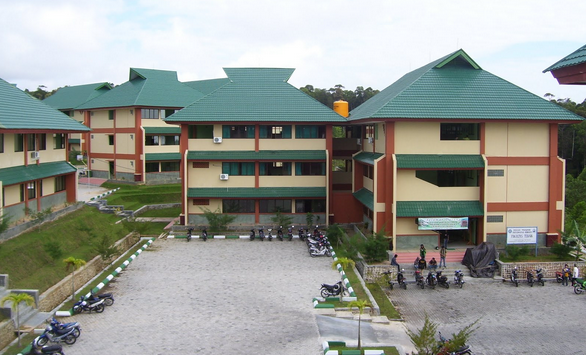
column 341, row 107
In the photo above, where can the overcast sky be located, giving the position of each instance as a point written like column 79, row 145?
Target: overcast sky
column 352, row 43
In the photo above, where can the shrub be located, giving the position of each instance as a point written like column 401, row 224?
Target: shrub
column 281, row 220
column 375, row 247
column 515, row 252
column 53, row 249
column 562, row 251
column 217, row 220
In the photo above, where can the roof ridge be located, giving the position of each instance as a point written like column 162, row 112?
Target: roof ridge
column 551, row 67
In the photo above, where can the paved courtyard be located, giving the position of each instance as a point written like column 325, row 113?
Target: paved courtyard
column 514, row 320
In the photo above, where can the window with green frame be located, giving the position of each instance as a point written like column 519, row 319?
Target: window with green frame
column 151, row 167
column 275, row 168
column 238, row 206
column 310, row 168
column 275, row 132
column 18, row 142
column 200, row 131
column 169, row 166
column 110, row 114
column 59, row 141
column 236, row 168
column 59, row 183
column 310, row 131
column 459, row 131
column 239, row 131
column 272, row 206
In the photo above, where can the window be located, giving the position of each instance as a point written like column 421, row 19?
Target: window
column 151, row 140
column 59, row 141
column 306, row 131
column 169, row 112
column 368, row 171
column 149, row 113
column 59, row 183
column 110, row 114
column 310, row 168
column 369, row 131
column 449, row 178
column 42, row 141
column 31, row 142
column 110, row 139
column 313, row 206
column 368, row 212
column 245, row 169
column 275, row 132
column 21, row 192
column 169, row 140
column 495, row 172
column 275, row 168
column 237, row 131
column 459, row 131
column 201, row 202
column 151, row 167
column 201, row 165
column 494, row 219
column 18, row 142
column 200, row 132
column 2, row 145
column 238, row 206
column 169, row 166
column 32, row 191
column 272, row 206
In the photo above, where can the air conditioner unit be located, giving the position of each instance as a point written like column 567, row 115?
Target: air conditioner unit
column 370, row 140
column 35, row 155
column 217, row 139
column 359, row 141
column 224, row 177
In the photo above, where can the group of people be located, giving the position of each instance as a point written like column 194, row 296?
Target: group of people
column 566, row 273
column 420, row 261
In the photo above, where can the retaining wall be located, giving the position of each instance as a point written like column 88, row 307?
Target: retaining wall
column 7, row 333
column 549, row 268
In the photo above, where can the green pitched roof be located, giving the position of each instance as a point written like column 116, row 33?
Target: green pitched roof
column 366, row 197
column 574, row 58
column 439, row 208
column 207, row 86
column 162, row 130
column 146, row 88
column 69, row 97
column 280, row 155
column 455, row 87
column 435, row 161
column 261, row 192
column 257, row 95
column 20, row 111
column 162, row 156
column 367, row 157
column 19, row 174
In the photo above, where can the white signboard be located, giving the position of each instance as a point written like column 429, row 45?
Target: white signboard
column 521, row 235
column 442, row 223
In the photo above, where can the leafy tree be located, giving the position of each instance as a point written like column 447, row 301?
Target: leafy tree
column 335, row 234
column 40, row 93
column 345, row 263
column 576, row 238
column 73, row 264
column 17, row 299
column 217, row 220
column 131, row 224
column 309, row 217
column 459, row 339
column 360, row 304
column 375, row 247
column 327, row 97
column 281, row 219
column 106, row 248
column 424, row 339
column 562, row 251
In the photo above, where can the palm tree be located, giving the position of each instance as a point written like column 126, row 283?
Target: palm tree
column 16, row 299
column 360, row 304
column 73, row 264
column 344, row 262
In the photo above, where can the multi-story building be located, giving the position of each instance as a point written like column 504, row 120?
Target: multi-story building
column 452, row 149
column 255, row 146
column 67, row 98
column 35, row 174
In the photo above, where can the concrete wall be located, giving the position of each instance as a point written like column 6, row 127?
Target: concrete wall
column 168, row 177
column 427, row 138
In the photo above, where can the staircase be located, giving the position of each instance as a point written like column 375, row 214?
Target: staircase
column 453, row 261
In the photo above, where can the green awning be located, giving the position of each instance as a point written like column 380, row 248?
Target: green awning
column 162, row 130
column 367, row 158
column 439, row 161
column 366, row 197
column 74, row 140
column 20, row 174
column 273, row 155
column 261, row 192
column 162, row 156
column 439, row 208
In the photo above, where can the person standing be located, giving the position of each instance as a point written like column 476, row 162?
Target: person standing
column 394, row 262
column 443, row 252
column 575, row 274
column 565, row 275
column 422, row 251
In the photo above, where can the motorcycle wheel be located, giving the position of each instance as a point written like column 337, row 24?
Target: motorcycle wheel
column 204, row 238
column 109, row 301
column 324, row 293
column 422, row 285
column 76, row 332
column 516, row 283
column 558, row 280
column 531, row 283
column 404, row 286
column 188, row 239
column 251, row 238
column 542, row 283
column 70, row 339
column 42, row 341
column 447, row 285
column 461, row 284
column 578, row 290
column 390, row 285
column 328, row 253
column 100, row 308
column 290, row 238
column 280, row 238
column 77, row 309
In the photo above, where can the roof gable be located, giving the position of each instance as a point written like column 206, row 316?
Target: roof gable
column 69, row 97
column 20, row 111
column 257, row 95
column 455, row 87
column 576, row 57
column 207, row 86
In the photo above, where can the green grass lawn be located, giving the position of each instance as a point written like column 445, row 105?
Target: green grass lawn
column 132, row 197
column 165, row 212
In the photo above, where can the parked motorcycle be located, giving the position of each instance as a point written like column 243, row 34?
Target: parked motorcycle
column 204, row 234
column 252, row 234
column 261, row 234
column 442, row 280
column 290, row 233
column 419, row 279
column 55, row 324
column 431, row 280
column 559, row 277
column 107, row 297
column 270, row 236
column 189, row 231
column 280, row 233
column 55, row 335
column 459, row 278
column 322, row 251
column 539, row 276
column 514, row 278
column 36, row 349
column 333, row 290
column 530, row 278
column 579, row 286
column 301, row 233
column 89, row 305
column 443, row 349
column 400, row 279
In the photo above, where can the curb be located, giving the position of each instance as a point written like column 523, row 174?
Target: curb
column 104, row 194
column 326, row 347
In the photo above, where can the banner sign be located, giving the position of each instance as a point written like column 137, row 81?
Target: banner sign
column 442, row 223
column 521, row 235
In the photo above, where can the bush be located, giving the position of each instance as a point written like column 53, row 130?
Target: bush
column 53, row 249
column 515, row 252
column 375, row 247
column 562, row 251
column 217, row 220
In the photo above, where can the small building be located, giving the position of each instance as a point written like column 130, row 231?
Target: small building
column 35, row 174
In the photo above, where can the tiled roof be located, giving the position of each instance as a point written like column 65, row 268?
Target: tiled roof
column 162, row 130
column 19, row 174
column 207, row 86
column 279, row 155
column 146, row 88
column 261, row 192
column 368, row 158
column 69, row 97
column 574, row 58
column 439, row 208
column 162, row 156
column 438, row 161
column 366, row 197
column 455, row 87
column 20, row 111
column 257, row 95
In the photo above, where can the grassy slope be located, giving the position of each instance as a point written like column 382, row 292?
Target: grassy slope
column 133, row 197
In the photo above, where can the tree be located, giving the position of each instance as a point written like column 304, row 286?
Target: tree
column 575, row 237
column 105, row 247
column 73, row 264
column 217, row 220
column 360, row 304
column 16, row 300
column 4, row 223
column 426, row 344
column 281, row 219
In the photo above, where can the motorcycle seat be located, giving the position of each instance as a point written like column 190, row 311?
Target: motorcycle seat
column 51, row 348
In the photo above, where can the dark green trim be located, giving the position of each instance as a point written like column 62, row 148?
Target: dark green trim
column 273, row 155
column 439, row 161
column 367, row 158
column 462, row 54
column 74, row 140
column 20, row 174
column 439, row 209
column 162, row 130
column 366, row 197
column 261, row 192
column 162, row 156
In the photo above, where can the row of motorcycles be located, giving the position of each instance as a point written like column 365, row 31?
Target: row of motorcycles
column 57, row 332
column 317, row 243
column 432, row 280
column 261, row 234
column 538, row 278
